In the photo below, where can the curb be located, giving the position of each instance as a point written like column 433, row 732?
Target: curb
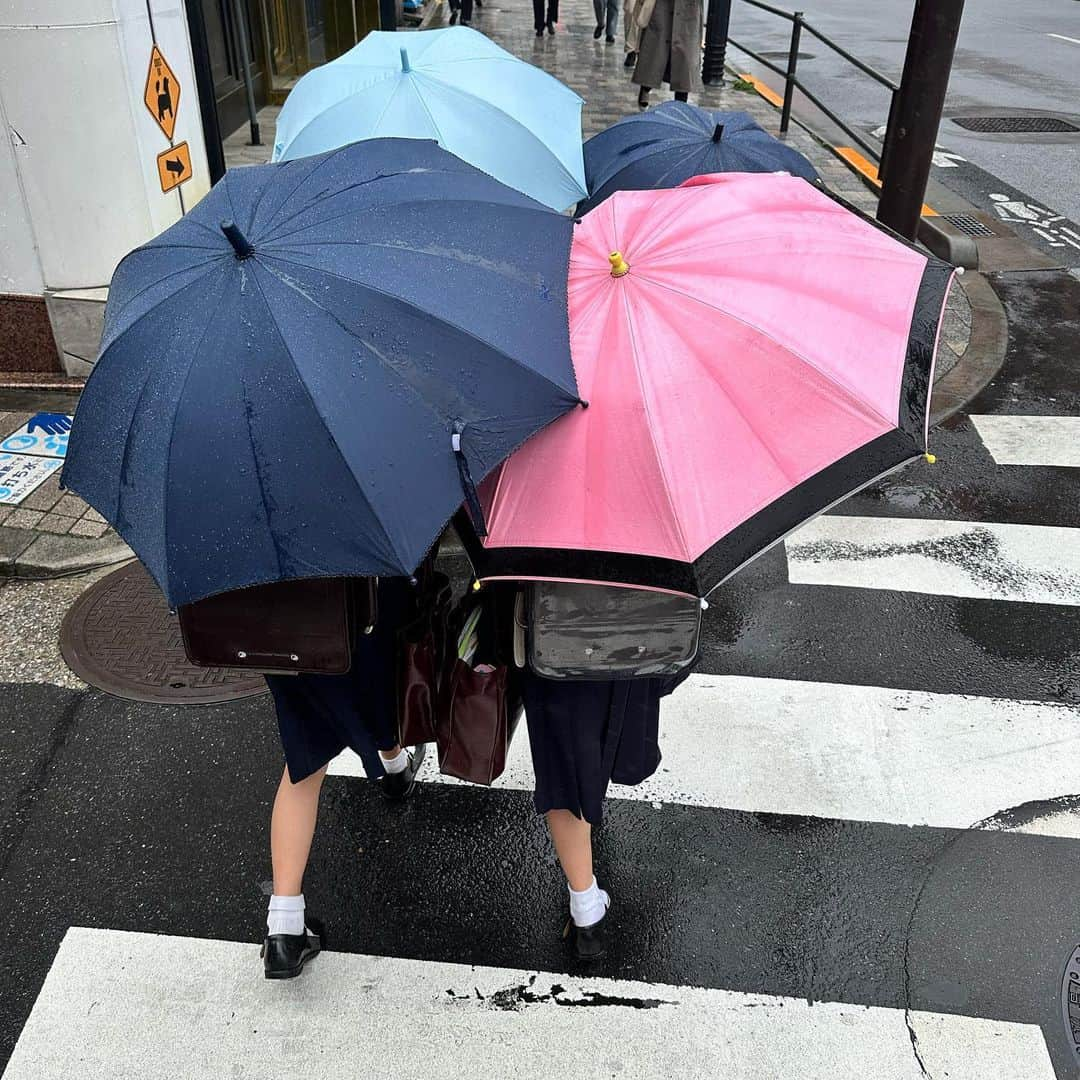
column 982, row 358
column 47, row 556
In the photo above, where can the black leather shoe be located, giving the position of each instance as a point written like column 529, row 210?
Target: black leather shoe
column 610, row 40
column 540, row 32
column 395, row 786
column 631, row 60
column 597, row 32
column 551, row 26
column 453, row 18
column 284, row 955
column 587, row 941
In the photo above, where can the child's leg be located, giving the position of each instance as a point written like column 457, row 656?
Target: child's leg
column 292, row 827
column 572, row 837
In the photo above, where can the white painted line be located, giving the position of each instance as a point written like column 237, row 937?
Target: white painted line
column 1031, row 440
column 1031, row 563
column 123, row 1005
column 830, row 750
column 1062, row 37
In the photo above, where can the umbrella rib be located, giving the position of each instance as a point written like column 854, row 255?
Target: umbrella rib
column 846, row 391
column 427, row 314
column 490, row 105
column 165, row 277
column 649, row 425
column 441, row 202
column 388, row 73
column 333, row 439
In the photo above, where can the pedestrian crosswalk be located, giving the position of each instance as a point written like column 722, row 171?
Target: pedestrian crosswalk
column 830, row 750
column 1030, row 440
column 863, row 871
column 1038, row 564
column 129, row 1005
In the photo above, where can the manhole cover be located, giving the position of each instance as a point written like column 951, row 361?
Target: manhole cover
column 968, row 224
column 1015, row 125
column 120, row 637
column 783, row 54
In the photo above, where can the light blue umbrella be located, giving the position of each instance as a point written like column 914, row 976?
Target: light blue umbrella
column 456, row 86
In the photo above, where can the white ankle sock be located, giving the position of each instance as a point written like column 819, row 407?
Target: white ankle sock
column 286, row 915
column 588, row 906
column 396, row 764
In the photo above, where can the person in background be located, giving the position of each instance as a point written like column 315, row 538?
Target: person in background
column 462, row 9
column 542, row 19
column 318, row 717
column 670, row 49
column 612, row 8
column 636, row 14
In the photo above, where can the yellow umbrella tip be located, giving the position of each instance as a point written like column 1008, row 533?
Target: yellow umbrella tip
column 931, row 458
column 619, row 266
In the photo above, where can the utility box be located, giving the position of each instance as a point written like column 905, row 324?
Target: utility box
column 102, row 150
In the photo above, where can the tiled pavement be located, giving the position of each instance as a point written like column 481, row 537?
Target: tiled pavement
column 51, row 529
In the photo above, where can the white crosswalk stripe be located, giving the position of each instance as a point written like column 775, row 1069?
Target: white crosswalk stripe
column 122, row 1005
column 831, row 750
column 992, row 561
column 1030, row 440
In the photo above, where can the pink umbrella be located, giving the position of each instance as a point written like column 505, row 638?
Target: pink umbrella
column 753, row 352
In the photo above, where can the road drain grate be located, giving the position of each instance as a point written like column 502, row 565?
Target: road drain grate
column 1015, row 125
column 968, row 224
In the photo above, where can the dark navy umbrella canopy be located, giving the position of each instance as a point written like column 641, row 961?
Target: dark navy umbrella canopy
column 283, row 371
column 665, row 146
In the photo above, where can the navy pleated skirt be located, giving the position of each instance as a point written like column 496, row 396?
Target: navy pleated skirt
column 320, row 715
column 584, row 735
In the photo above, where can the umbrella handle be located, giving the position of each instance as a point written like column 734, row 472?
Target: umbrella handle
column 472, row 500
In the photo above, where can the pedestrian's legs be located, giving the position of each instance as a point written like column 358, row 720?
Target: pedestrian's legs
column 538, row 16
column 466, row 11
column 292, row 827
column 552, row 15
column 572, row 837
column 598, row 11
column 612, row 20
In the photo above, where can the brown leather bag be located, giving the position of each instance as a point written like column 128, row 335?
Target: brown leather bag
column 479, row 717
column 283, row 627
column 422, row 661
column 479, row 710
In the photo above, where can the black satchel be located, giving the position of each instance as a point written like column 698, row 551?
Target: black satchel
column 283, row 627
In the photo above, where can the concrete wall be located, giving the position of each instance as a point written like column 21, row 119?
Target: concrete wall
column 79, row 183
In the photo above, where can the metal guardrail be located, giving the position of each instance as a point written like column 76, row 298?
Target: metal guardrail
column 793, row 83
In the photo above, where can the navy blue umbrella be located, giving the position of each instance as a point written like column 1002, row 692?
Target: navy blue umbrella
column 305, row 375
column 665, row 146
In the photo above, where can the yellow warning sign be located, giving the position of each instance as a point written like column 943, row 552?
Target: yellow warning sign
column 174, row 166
column 162, row 93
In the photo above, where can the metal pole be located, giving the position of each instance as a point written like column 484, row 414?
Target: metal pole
column 717, row 23
column 917, row 113
column 245, row 63
column 792, row 64
column 204, row 84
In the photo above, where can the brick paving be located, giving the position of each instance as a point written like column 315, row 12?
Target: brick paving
column 69, row 531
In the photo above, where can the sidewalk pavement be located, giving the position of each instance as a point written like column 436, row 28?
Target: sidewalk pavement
column 53, row 533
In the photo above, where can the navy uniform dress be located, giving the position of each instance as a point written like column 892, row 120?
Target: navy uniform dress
column 320, row 715
column 584, row 735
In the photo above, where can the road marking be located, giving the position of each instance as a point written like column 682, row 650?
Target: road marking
column 1062, row 37
column 830, row 750
column 1031, row 440
column 119, row 1004
column 869, row 170
column 764, row 90
column 1037, row 564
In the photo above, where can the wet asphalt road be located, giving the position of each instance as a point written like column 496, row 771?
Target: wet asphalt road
column 1009, row 56
column 148, row 818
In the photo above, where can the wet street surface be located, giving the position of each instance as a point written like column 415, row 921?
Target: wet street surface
column 862, row 846
column 859, row 858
